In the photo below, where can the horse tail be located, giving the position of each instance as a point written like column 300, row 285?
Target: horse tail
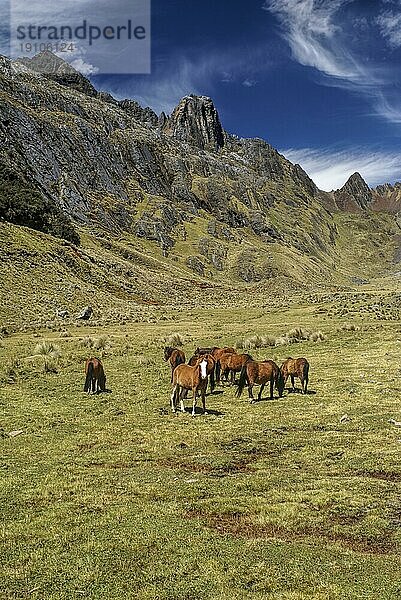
column 243, row 380
column 279, row 380
column 89, row 376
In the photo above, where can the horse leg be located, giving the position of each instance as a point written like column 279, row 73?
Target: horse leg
column 271, row 388
column 195, row 394
column 293, row 382
column 204, row 400
column 250, row 392
column 306, row 384
column 183, row 395
column 262, row 387
column 172, row 399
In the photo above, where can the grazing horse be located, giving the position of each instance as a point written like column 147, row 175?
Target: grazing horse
column 95, row 378
column 175, row 357
column 211, row 364
column 260, row 373
column 233, row 363
column 296, row 367
column 217, row 354
column 186, row 377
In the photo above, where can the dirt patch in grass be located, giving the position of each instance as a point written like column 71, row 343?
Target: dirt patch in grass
column 383, row 475
column 243, row 451
column 240, row 525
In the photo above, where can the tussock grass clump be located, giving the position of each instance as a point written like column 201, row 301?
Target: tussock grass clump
column 100, row 343
column 50, row 353
column 88, row 342
column 174, row 339
column 64, row 334
column 11, row 370
column 256, row 341
column 298, row 334
column 253, row 342
column 143, row 361
column 47, row 349
column 348, row 327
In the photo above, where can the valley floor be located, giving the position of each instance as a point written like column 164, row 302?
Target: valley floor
column 112, row 496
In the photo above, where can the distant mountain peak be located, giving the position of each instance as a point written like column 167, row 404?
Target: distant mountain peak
column 355, row 180
column 196, row 120
column 48, row 63
column 355, row 194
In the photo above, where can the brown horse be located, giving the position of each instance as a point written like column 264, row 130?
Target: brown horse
column 211, row 364
column 175, row 357
column 199, row 351
column 296, row 367
column 260, row 373
column 186, row 377
column 217, row 354
column 95, row 378
column 231, row 363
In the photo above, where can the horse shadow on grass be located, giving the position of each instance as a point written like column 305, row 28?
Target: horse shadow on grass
column 199, row 412
column 299, row 391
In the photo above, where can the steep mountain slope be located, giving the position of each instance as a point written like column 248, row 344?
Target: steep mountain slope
column 161, row 200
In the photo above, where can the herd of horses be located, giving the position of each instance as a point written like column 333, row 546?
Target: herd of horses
column 220, row 365
column 209, row 366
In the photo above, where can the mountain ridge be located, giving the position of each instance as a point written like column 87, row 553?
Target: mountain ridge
column 205, row 203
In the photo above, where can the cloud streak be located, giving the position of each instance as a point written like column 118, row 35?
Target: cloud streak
column 312, row 34
column 316, row 32
column 182, row 75
column 330, row 168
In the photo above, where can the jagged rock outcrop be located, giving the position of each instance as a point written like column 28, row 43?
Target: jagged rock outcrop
column 387, row 198
column 115, row 166
column 355, row 195
column 195, row 120
column 143, row 115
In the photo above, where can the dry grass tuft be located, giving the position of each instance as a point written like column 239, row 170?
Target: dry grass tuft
column 174, row 339
column 47, row 349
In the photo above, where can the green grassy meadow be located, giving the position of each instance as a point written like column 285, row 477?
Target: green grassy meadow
column 112, row 496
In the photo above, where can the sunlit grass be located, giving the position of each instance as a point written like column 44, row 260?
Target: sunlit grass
column 112, row 496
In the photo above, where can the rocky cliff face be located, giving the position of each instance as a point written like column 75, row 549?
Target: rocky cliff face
column 218, row 204
column 387, row 198
column 195, row 120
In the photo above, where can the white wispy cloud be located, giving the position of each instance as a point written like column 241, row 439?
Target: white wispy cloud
column 312, row 34
column 314, row 31
column 330, row 168
column 389, row 23
column 183, row 75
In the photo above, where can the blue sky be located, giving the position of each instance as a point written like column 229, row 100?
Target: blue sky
column 318, row 79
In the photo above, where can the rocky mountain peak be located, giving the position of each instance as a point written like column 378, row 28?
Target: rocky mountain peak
column 55, row 68
column 195, row 120
column 355, row 194
column 47, row 62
